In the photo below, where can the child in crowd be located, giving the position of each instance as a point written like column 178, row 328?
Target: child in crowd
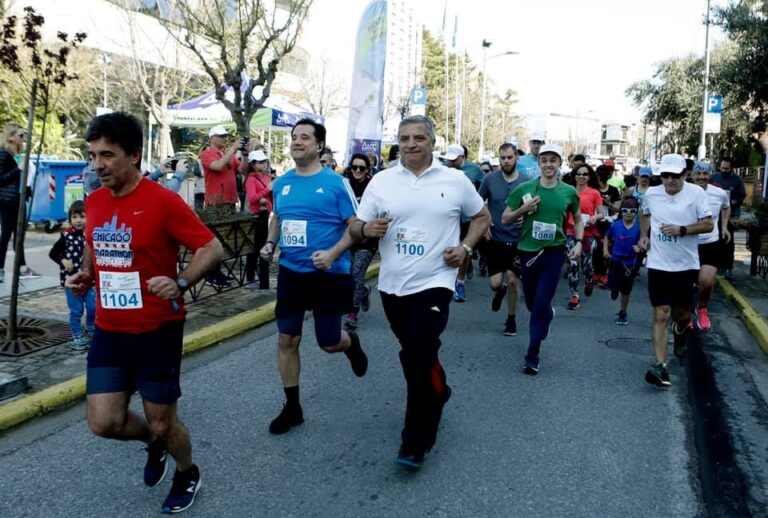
column 620, row 247
column 67, row 252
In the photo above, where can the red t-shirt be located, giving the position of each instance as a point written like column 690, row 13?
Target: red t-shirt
column 132, row 239
column 257, row 187
column 590, row 200
column 220, row 186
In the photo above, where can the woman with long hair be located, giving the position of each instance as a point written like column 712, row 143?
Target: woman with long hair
column 10, row 197
column 592, row 211
column 359, row 177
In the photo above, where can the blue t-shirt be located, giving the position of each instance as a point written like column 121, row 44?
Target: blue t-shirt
column 623, row 239
column 312, row 212
column 529, row 164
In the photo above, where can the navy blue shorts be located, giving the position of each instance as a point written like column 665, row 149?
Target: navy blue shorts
column 148, row 362
column 326, row 295
column 673, row 289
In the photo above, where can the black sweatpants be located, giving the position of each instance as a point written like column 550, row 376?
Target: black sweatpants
column 418, row 320
column 9, row 218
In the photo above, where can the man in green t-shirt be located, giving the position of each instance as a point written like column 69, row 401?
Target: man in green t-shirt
column 543, row 205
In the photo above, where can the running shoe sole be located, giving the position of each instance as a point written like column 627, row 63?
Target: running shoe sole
column 169, row 510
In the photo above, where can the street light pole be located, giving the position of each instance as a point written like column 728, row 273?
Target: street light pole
column 481, row 151
column 105, row 61
column 486, row 46
column 702, row 140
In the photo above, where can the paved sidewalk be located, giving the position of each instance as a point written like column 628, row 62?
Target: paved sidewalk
column 55, row 364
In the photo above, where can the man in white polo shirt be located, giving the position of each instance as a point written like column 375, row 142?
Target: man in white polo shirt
column 673, row 214
column 414, row 208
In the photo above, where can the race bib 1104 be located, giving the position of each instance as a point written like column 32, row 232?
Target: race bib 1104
column 120, row 290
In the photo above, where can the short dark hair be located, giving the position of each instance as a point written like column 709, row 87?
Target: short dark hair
column 603, row 172
column 727, row 159
column 629, row 203
column 508, row 146
column 360, row 156
column 120, row 128
column 319, row 128
column 520, row 152
column 466, row 151
column 77, row 207
column 689, row 164
column 580, row 158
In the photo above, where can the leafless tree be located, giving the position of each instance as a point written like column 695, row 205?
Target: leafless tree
column 239, row 44
column 322, row 89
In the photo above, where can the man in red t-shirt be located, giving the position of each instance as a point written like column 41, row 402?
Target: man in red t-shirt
column 220, row 166
column 134, row 230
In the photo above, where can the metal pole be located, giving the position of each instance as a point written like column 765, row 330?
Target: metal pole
column 481, row 151
column 702, row 141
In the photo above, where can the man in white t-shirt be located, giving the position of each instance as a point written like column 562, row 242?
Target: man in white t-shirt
column 414, row 208
column 711, row 247
column 673, row 214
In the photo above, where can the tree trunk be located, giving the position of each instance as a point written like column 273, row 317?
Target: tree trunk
column 12, row 332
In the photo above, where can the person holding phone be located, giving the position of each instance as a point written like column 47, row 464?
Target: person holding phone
column 220, row 166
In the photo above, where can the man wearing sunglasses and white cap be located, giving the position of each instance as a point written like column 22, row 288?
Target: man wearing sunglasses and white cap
column 672, row 216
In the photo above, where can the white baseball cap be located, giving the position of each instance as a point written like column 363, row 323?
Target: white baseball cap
column 257, row 156
column 217, row 131
column 454, row 151
column 537, row 135
column 551, row 148
column 671, row 163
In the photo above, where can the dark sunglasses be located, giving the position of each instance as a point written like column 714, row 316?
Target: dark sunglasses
column 581, row 174
column 22, row 135
column 628, row 211
column 667, row 176
column 358, row 168
column 485, row 170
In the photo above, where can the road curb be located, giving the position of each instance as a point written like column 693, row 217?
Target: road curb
column 56, row 396
column 756, row 324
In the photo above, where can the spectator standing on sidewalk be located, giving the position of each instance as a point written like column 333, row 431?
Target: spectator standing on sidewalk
column 672, row 216
column 258, row 202
column 68, row 252
column 414, row 209
column 10, row 180
column 134, row 231
column 313, row 206
column 729, row 181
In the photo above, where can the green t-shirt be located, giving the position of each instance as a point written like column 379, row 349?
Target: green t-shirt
column 545, row 227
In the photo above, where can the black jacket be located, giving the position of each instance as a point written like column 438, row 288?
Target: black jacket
column 10, row 177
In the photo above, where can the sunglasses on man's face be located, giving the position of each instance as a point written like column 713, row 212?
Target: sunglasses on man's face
column 358, row 168
column 628, row 211
column 672, row 176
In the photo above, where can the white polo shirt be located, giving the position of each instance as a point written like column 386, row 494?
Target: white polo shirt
column 719, row 199
column 687, row 207
column 425, row 213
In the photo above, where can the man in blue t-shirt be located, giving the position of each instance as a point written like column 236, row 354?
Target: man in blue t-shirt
column 529, row 164
column 312, row 207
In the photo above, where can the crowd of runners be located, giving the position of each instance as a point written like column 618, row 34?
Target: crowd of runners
column 528, row 221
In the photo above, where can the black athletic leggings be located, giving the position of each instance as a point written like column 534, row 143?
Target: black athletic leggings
column 9, row 218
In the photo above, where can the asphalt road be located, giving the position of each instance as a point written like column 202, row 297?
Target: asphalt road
column 587, row 437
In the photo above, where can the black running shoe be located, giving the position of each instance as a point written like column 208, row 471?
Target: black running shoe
column 185, row 486
column 658, row 375
column 412, row 457
column 531, row 366
column 510, row 328
column 287, row 419
column 357, row 358
column 498, row 297
column 157, row 463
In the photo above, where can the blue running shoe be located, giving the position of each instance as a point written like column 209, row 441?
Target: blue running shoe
column 157, row 463
column 461, row 293
column 185, row 486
